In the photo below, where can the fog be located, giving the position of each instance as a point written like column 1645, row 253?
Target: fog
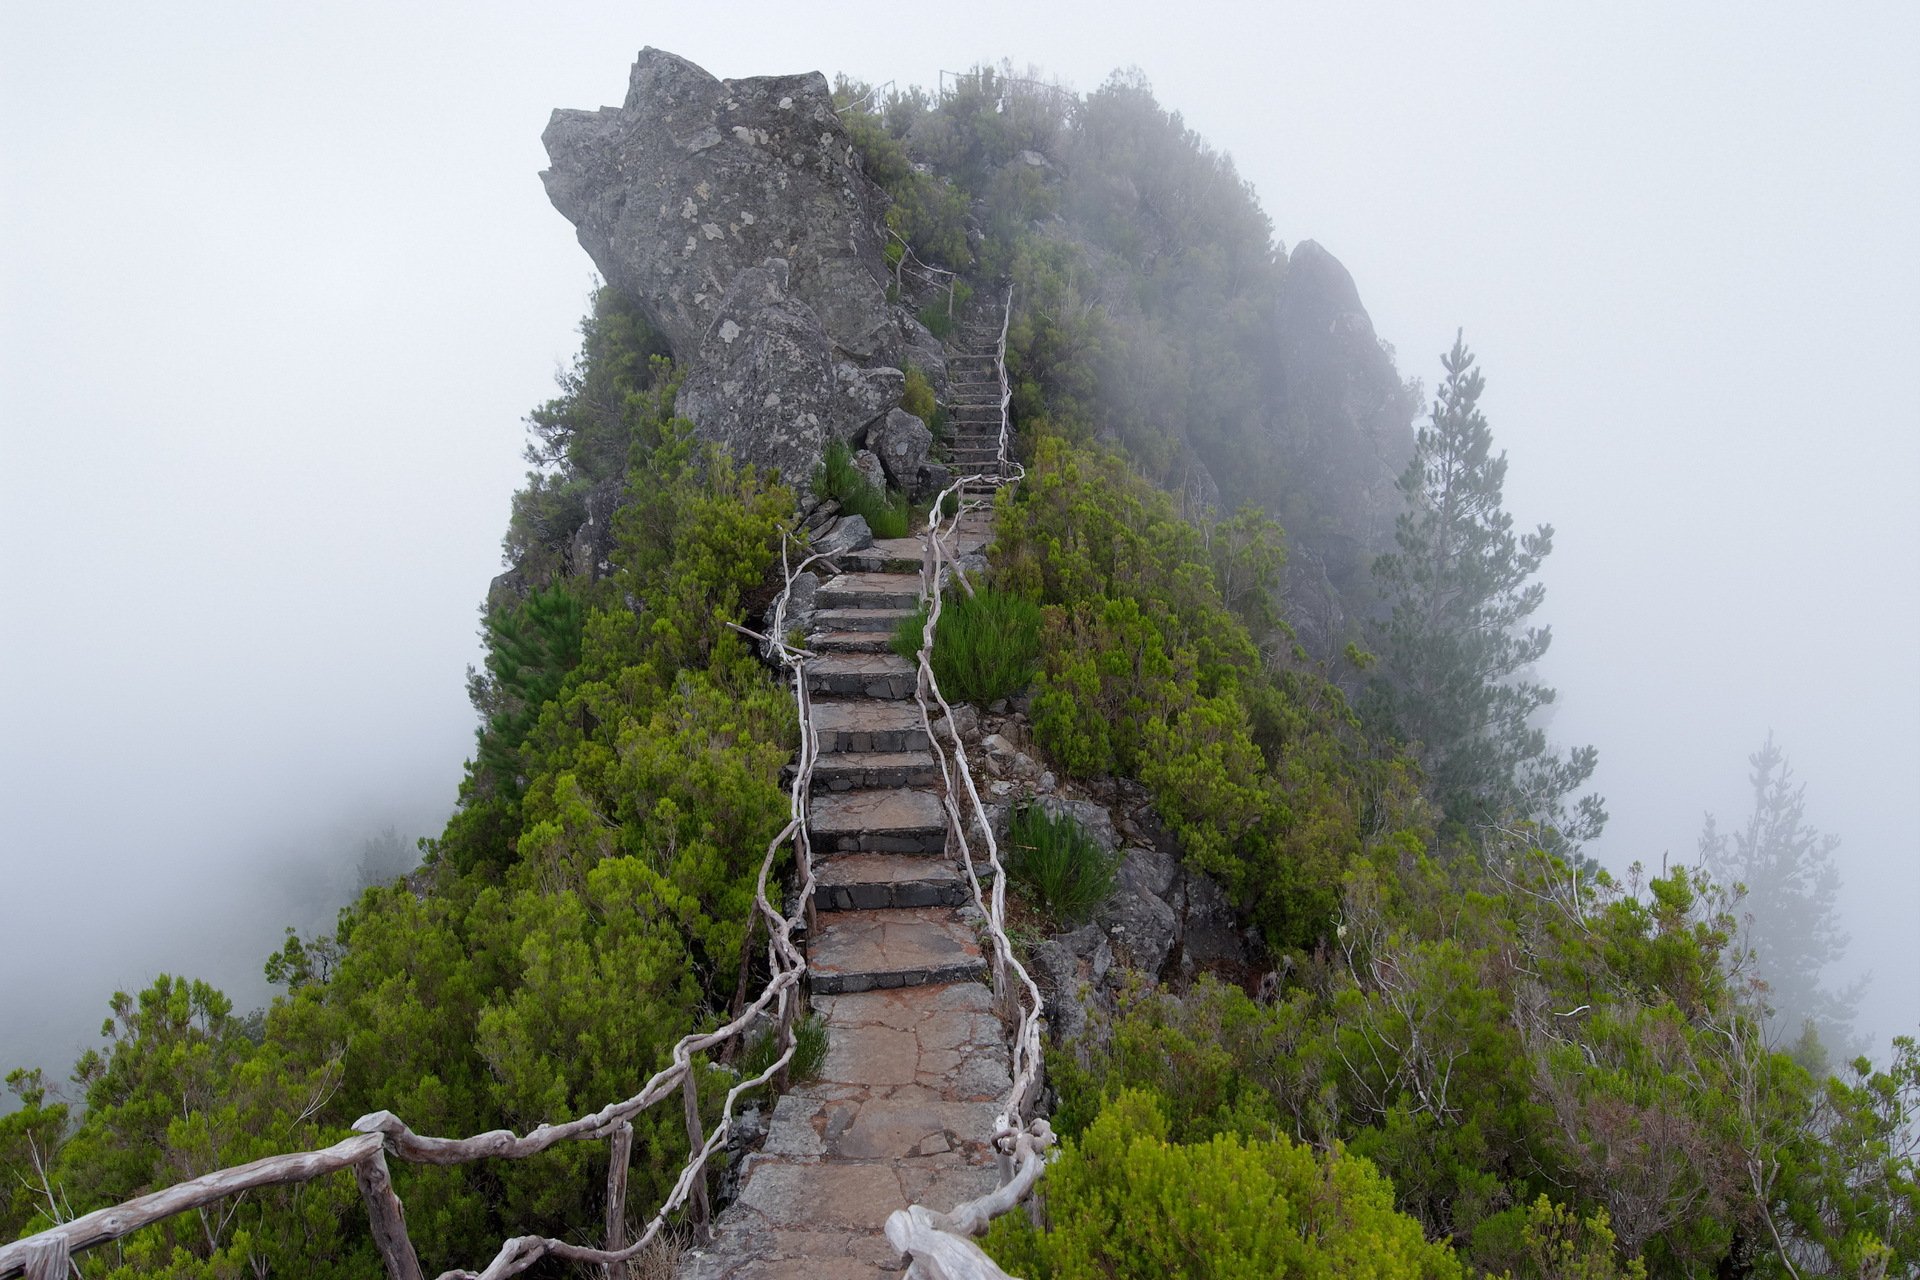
column 279, row 284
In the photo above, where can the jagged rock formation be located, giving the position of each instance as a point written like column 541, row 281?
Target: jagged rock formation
column 737, row 216
column 1342, row 425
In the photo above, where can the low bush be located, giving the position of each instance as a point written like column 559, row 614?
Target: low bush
column 1058, row 863
column 1125, row 1202
column 987, row 646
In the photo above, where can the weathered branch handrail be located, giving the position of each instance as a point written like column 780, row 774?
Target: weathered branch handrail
column 47, row 1255
column 937, row 1243
column 861, row 101
column 934, row 277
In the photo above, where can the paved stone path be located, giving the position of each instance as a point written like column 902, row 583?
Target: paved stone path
column 917, row 1062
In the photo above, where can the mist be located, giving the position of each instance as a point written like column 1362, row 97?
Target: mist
column 279, row 286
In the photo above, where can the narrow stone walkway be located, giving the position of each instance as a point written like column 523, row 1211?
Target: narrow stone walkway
column 917, row 1062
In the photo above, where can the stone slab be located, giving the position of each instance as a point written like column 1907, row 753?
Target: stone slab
column 870, row 591
column 868, row 724
column 889, row 820
column 853, row 951
column 877, row 881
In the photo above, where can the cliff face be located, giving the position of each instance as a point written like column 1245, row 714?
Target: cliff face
column 736, row 214
column 1342, row 423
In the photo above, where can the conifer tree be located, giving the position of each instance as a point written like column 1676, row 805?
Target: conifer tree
column 1792, row 886
column 1457, row 647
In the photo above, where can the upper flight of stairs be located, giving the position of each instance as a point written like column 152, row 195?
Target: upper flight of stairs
column 917, row 1063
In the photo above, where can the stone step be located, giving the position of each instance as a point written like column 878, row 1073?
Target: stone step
column 851, row 642
column 854, row 951
column 909, row 1128
column 870, row 591
column 889, row 820
column 886, row 555
column 887, row 881
column 865, row 770
column 867, row 724
column 882, row 621
column 877, row 675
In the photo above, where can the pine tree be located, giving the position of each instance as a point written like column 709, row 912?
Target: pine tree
column 1786, row 867
column 1457, row 646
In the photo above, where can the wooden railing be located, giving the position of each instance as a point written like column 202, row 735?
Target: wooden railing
column 48, row 1254
column 939, row 1244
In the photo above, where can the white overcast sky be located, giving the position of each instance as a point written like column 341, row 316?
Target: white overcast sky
column 278, row 282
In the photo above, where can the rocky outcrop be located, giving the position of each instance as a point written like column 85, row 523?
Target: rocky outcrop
column 736, row 215
column 768, row 384
column 695, row 179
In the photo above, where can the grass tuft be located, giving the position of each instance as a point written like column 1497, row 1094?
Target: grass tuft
column 809, row 1050
column 1058, row 864
column 886, row 512
column 987, row 646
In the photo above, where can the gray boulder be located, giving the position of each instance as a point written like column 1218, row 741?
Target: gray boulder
column 901, row 442
column 694, row 179
column 1070, row 970
column 591, row 549
column 1092, row 818
column 1143, row 928
column 1212, row 933
column 1148, row 871
column 800, row 607
column 849, row 534
column 768, row 384
column 868, row 465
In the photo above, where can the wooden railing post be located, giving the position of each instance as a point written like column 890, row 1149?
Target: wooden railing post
column 49, row 1259
column 697, row 1208
column 387, row 1216
column 621, row 1155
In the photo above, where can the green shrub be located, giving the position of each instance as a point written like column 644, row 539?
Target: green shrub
column 987, row 646
column 886, row 512
column 918, row 399
column 1125, row 1202
column 1055, row 860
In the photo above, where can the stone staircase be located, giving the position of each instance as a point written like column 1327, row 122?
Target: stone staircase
column 973, row 402
column 917, row 1062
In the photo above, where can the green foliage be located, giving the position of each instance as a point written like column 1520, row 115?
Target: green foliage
column 987, row 646
column 1055, row 861
column 1148, row 670
column 917, row 399
column 1548, row 1241
column 30, row 1136
column 1455, row 652
column 887, row 513
column 1125, row 1201
column 1564, row 1076
column 183, row 1088
column 615, row 401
